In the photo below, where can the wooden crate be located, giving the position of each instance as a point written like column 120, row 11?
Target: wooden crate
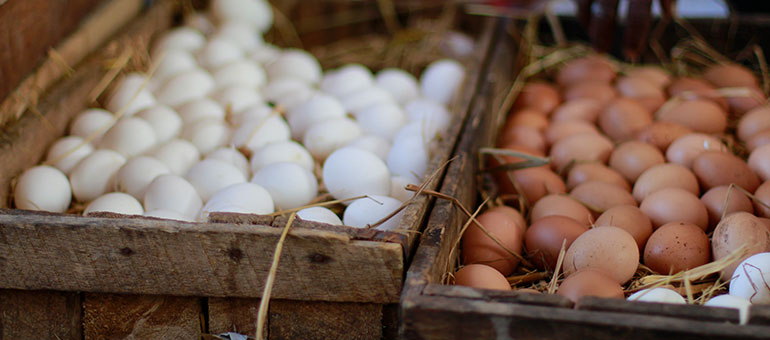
column 433, row 310
column 69, row 277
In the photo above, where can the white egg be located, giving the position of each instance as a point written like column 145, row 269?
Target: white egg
column 381, row 120
column 199, row 109
column 374, row 144
column 245, row 198
column 458, row 44
column 137, row 173
column 366, row 97
column 325, row 137
column 660, row 295
column 350, row 172
column 208, row 134
column 210, row 175
column 429, row 111
column 319, row 108
column 265, row 54
column 232, row 156
column 219, row 52
column 242, row 73
column 398, row 188
column 346, row 80
column 256, row 134
column 283, row 151
column 319, row 214
column 408, row 157
column 256, row 13
column 130, row 136
column 180, row 38
column 367, row 211
column 174, row 193
column 184, row 87
column 399, row 83
column 280, row 90
column 178, row 155
column 95, row 174
column 200, row 21
column 441, row 80
column 168, row 215
column 427, row 133
column 67, row 151
column 240, row 33
column 172, row 62
column 130, row 95
column 92, row 122
column 164, row 121
column 253, row 113
column 290, row 185
column 751, row 280
column 297, row 64
column 115, row 202
column 734, row 302
column 235, row 99
column 42, row 188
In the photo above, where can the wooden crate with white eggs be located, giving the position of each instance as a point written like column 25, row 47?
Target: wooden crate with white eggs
column 464, row 284
column 233, row 150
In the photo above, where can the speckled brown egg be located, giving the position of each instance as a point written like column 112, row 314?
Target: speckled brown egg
column 699, row 115
column 543, row 240
column 600, row 196
column 477, row 247
column 632, row 158
column 589, row 282
column 753, row 122
column 677, row 246
column 622, row 118
column 527, row 117
column 661, row 134
column 523, row 135
column 580, row 147
column 540, row 96
column 593, row 68
column 563, row 129
column 481, row 276
column 674, row 205
column 601, row 92
column 649, row 95
column 715, row 168
column 651, row 73
column 593, row 171
column 714, row 199
column 586, row 109
column 759, row 162
column 538, row 182
column 685, row 149
column 737, row 230
column 560, row 205
column 609, row 249
column 696, row 88
column 762, row 194
column 662, row 176
column 629, row 218
column 730, row 75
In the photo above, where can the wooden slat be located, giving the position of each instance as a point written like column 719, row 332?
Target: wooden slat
column 40, row 315
column 691, row 312
column 233, row 315
column 111, row 316
column 556, row 301
column 324, row 320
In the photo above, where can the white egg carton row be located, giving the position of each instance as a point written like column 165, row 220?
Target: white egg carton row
column 169, row 143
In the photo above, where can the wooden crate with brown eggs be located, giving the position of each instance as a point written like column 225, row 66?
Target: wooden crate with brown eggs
column 591, row 198
column 190, row 177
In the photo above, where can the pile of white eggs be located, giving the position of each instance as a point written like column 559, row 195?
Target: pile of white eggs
column 174, row 144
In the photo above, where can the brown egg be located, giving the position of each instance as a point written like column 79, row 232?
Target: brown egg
column 589, row 282
column 527, row 117
column 740, row 105
column 504, row 178
column 563, row 129
column 675, row 205
column 629, row 218
column 696, row 88
column 632, row 158
column 524, row 136
column 649, row 95
column 514, row 214
column 677, row 246
column 593, row 171
column 580, row 147
column 601, row 196
column 601, row 92
column 753, row 122
column 661, row 134
column 560, row 205
column 664, row 176
column 477, row 247
column 651, row 73
column 481, row 276
column 759, row 139
column 735, row 231
column 590, row 68
column 685, row 149
column 730, row 75
column 544, row 238
column 699, row 115
column 714, row 199
column 715, row 168
column 586, row 109
column 538, row 182
column 622, row 118
column 759, row 162
column 762, row 195
column 609, row 249
column 765, row 221
column 538, row 95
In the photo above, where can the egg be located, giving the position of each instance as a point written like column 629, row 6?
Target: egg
column 256, row 13
column 560, row 205
column 242, row 198
column 137, row 173
column 130, row 95
column 381, row 120
column 179, row 38
column 759, row 163
column 730, row 75
column 374, row 144
column 256, row 112
column 753, row 99
column 319, row 214
column 210, row 175
column 67, row 151
column 540, row 96
column 318, row 108
column 287, row 91
column 664, row 176
column 164, row 121
column 441, row 80
column 477, row 247
column 130, row 136
column 349, row 172
column 527, row 118
column 622, row 117
column 208, row 134
column 514, row 214
column 659, row 295
column 322, row 139
column 115, row 202
column 593, row 67
column 601, row 196
column 408, row 157
column 92, row 123
column 95, row 175
column 651, row 73
column 232, row 156
column 295, row 63
column 290, row 185
column 370, row 210
column 715, row 168
column 733, row 302
column 661, row 134
column 750, row 279
column 685, row 149
column 562, row 129
column 676, row 247
column 43, row 188
column 699, row 115
column 629, row 218
column 590, row 282
column 219, row 52
column 601, row 92
column 178, row 155
column 504, row 178
column 524, row 136
column 348, row 79
column 200, row 109
column 632, row 158
column 674, row 205
column 592, row 171
column 535, row 183
column 240, row 33
column 256, row 134
column 692, row 88
column 762, row 195
column 543, row 239
column 173, row 193
column 737, row 230
column 586, row 109
column 481, row 276
column 240, row 73
column 398, row 188
column 753, row 122
column 363, row 98
column 282, row 151
column 647, row 94
column 580, row 147
column 235, row 99
column 428, row 112
column 400, row 84
column 714, row 199
column 608, row 249
column 184, row 87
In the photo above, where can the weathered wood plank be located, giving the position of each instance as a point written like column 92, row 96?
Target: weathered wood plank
column 40, row 315
column 324, row 320
column 556, row 301
column 149, row 256
column 233, row 315
column 112, row 316
column 691, row 312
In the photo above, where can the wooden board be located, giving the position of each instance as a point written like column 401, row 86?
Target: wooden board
column 324, row 320
column 40, row 315
column 232, row 315
column 111, row 316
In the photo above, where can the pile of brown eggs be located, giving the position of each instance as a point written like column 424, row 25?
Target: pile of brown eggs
column 641, row 166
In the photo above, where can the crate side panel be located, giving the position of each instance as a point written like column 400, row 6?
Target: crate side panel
column 40, row 315
column 324, row 320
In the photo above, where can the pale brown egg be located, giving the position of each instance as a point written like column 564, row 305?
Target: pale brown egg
column 543, row 240
column 763, row 196
column 538, row 182
column 527, row 117
column 586, row 109
column 685, row 149
column 759, row 139
column 504, row 178
column 737, row 230
column 677, row 246
column 600, row 196
column 696, row 88
column 629, row 218
column 477, row 247
column 730, row 75
column 714, row 199
column 523, row 135
column 481, row 276
column 649, row 95
column 661, row 134
column 753, row 122
column 592, row 171
column 739, row 105
column 715, row 168
column 608, row 249
column 538, row 95
column 662, row 176
column 622, row 118
column 601, row 92
column 651, row 73
column 563, row 129
column 518, row 220
column 675, row 205
column 589, row 282
column 759, row 162
column 580, row 147
column 560, row 205
column 590, row 68
column 698, row 115
column 632, row 158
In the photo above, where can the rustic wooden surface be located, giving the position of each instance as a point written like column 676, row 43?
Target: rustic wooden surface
column 324, row 320
column 40, row 315
column 691, row 312
column 112, row 316
column 232, row 315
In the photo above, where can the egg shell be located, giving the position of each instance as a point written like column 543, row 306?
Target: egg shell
column 647, row 94
column 130, row 95
column 622, row 117
column 662, row 176
column 699, row 115
column 295, row 63
column 632, row 158
column 381, row 120
column 673, row 205
column 593, row 67
column 715, row 168
column 676, row 247
column 750, row 279
column 137, row 173
column 115, row 202
column 325, row 137
column 374, row 144
column 256, row 134
column 737, row 230
column 601, row 196
column 208, row 135
column 364, row 98
column 319, row 214
column 290, row 185
column 92, row 123
column 282, row 151
column 320, row 107
column 164, row 121
column 608, row 249
column 235, row 99
column 219, row 52
column 75, row 149
column 740, row 105
column 240, row 33
column 422, row 109
column 241, row 73
column 368, row 211
column 538, row 182
column 539, row 96
column 178, row 155
column 658, row 295
column 232, row 156
column 693, row 88
column 730, row 75
column 130, row 136
column 601, row 92
column 661, row 134
column 185, row 87
column 441, row 80
column 174, row 193
column 478, row 247
column 580, row 147
column 504, row 178
column 519, row 220
column 287, row 91
column 400, row 84
column 762, row 195
column 524, row 136
column 629, row 218
column 560, row 205
column 408, row 157
column 593, row 171
column 563, row 129
column 759, row 162
column 587, row 109
column 527, row 117
column 543, row 239
column 350, row 172
column 753, row 122
column 210, row 175
column 242, row 198
column 398, row 188
column 481, row 276
column 256, row 13
column 714, row 199
column 347, row 79
column 181, row 38
column 95, row 175
column 760, row 139
column 199, row 109
column 651, row 73
column 590, row 282
column 43, row 188
column 171, row 63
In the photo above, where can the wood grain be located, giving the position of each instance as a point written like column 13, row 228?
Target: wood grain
column 232, row 315
column 324, row 320
column 40, row 315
